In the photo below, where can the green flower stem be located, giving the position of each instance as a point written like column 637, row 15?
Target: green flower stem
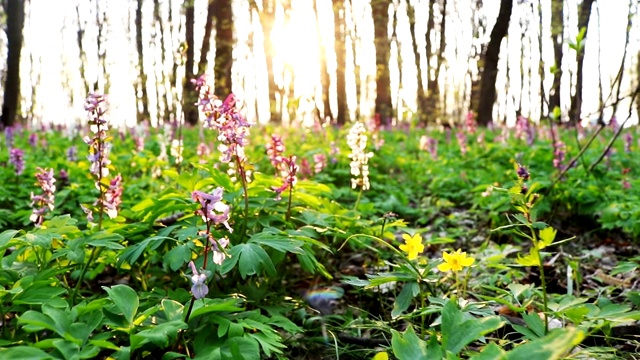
column 243, row 181
column 543, row 282
column 94, row 254
column 288, row 216
column 355, row 207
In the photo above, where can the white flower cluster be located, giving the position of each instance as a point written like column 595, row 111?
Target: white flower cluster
column 357, row 141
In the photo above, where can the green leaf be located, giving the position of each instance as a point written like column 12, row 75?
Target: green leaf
column 214, row 305
column 409, row 291
column 547, row 235
column 160, row 335
column 531, row 259
column 252, row 259
column 553, row 346
column 125, row 300
column 5, row 237
column 535, row 323
column 490, row 352
column 278, row 242
column 407, row 346
column 457, row 332
column 24, row 353
column 177, row 257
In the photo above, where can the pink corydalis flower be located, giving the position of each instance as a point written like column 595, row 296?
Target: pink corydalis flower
column 212, row 210
column 288, row 174
column 470, row 122
column 224, row 117
column 43, row 202
column 198, row 287
column 320, row 162
column 275, row 149
column 462, row 142
column 113, row 196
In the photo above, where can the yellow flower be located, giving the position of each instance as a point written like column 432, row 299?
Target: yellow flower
column 383, row 355
column 455, row 261
column 412, row 245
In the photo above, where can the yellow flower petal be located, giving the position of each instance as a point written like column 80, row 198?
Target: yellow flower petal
column 381, row 356
column 467, row 261
column 444, row 267
column 446, row 257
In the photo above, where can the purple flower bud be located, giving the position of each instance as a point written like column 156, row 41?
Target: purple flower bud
column 16, row 158
column 522, row 173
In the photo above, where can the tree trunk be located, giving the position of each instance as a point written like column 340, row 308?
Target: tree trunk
column 380, row 13
column 421, row 97
column 206, row 39
column 434, row 86
column 325, row 79
column 584, row 13
column 267, row 18
column 143, row 106
column 490, row 72
column 557, row 32
column 189, row 95
column 341, row 60
column 224, row 47
column 15, row 24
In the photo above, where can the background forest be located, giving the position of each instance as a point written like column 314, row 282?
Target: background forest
column 316, row 179
column 303, row 60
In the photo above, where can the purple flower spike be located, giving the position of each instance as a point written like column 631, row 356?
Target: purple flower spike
column 16, row 158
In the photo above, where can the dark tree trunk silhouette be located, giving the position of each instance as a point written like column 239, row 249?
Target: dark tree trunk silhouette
column 341, row 60
column 206, row 39
column 557, row 31
column 325, row 79
column 433, row 85
column 490, row 72
column 143, row 106
column 421, row 96
column 380, row 13
column 189, row 95
column 479, row 24
column 82, row 52
column 15, row 23
column 224, row 47
column 584, row 13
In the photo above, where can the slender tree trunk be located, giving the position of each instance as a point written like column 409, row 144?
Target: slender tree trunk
column 267, row 19
column 82, row 52
column 189, row 96
column 421, row 97
column 224, row 47
column 325, row 79
column 15, row 24
column 206, row 39
column 584, row 13
column 102, row 80
column 355, row 46
column 491, row 58
column 434, row 85
column 384, row 107
column 143, row 106
column 557, row 32
column 341, row 59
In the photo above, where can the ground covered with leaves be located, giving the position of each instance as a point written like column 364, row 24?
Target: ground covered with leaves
column 240, row 241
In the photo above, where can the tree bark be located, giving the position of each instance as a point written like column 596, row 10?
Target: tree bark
column 325, row 79
column 383, row 104
column 341, row 60
column 267, row 18
column 143, row 106
column 206, row 39
column 189, row 95
column 584, row 13
column 421, row 97
column 557, row 31
column 15, row 24
column 490, row 72
column 224, row 47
